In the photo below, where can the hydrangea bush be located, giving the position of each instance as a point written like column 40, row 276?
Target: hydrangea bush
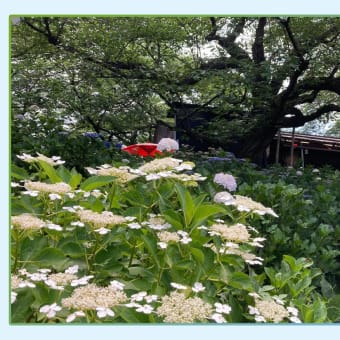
column 153, row 242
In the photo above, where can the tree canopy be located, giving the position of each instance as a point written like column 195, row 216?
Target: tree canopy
column 228, row 81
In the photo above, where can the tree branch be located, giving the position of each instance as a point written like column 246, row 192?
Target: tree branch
column 297, row 48
column 258, row 47
column 299, row 119
column 228, row 42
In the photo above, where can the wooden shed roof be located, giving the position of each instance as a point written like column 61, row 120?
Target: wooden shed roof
column 312, row 142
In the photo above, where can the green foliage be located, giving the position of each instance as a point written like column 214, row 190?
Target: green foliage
column 122, row 76
column 299, row 254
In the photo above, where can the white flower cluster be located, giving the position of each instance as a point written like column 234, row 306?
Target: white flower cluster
column 100, row 220
column 54, row 161
column 55, row 281
column 156, row 222
column 123, row 173
column 93, row 297
column 55, row 188
column 177, row 308
column 166, row 237
column 234, row 238
column 272, row 309
column 167, row 144
column 166, row 167
column 226, row 180
column 243, row 203
column 141, row 302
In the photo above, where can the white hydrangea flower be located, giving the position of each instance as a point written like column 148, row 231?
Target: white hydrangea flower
column 72, row 269
column 54, row 197
column 150, row 298
column 102, row 231
column 260, row 318
column 31, row 193
column 218, row 318
column 162, row 245
column 198, row 287
column 134, row 225
column 117, row 285
column 78, row 224
column 222, row 308
column 253, row 310
column 72, row 316
column 53, row 226
column 294, row 319
column 13, row 296
column 152, row 177
column 224, row 197
column 293, row 311
column 130, row 218
column 82, row 281
column 167, row 144
column 226, row 180
column 178, row 285
column 139, row 296
column 26, row 283
column 50, row 310
column 102, row 312
column 146, row 309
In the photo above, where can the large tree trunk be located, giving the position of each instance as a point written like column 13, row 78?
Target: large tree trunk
column 255, row 145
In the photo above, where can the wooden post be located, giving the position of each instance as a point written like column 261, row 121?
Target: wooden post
column 292, row 148
column 303, row 157
column 278, row 143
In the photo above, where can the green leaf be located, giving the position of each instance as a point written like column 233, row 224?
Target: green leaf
column 320, row 311
column 18, row 173
column 203, row 212
column 334, row 308
column 326, row 288
column 151, row 245
column 242, row 281
column 21, row 308
column 95, row 182
column 72, row 249
column 29, row 248
column 130, row 315
column 197, row 254
column 63, row 173
column 50, row 172
column 51, row 257
column 184, row 265
column 187, row 204
column 173, row 218
column 75, row 179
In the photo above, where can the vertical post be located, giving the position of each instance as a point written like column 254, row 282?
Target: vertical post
column 303, row 157
column 278, row 143
column 292, row 148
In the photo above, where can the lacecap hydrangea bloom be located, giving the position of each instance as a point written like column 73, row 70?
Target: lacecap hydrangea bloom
column 27, row 221
column 53, row 161
column 176, row 308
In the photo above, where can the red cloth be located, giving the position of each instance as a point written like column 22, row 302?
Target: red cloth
column 143, row 149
